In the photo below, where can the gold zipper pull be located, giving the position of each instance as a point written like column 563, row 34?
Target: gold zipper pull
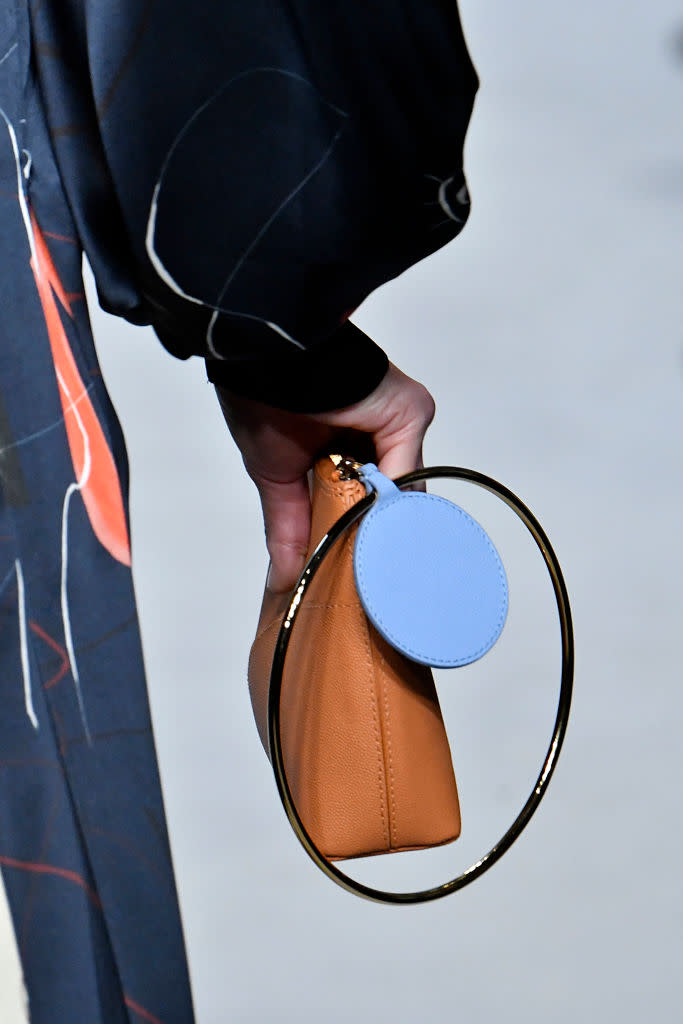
column 347, row 467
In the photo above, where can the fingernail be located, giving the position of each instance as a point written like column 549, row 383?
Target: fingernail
column 275, row 583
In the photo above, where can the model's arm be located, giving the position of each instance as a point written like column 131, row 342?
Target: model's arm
column 242, row 176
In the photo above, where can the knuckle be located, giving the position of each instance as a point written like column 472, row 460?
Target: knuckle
column 424, row 406
column 429, row 408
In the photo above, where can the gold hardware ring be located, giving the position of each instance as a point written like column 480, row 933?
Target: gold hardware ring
column 563, row 708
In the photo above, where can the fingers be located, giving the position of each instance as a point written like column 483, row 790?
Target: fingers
column 287, row 520
column 397, row 415
column 279, row 447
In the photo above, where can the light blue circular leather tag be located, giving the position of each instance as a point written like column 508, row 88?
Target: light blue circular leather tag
column 428, row 576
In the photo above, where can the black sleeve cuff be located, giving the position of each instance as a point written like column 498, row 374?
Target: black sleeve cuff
column 341, row 371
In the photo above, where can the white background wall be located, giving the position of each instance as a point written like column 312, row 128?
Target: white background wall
column 551, row 335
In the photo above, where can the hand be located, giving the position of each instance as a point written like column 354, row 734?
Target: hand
column 279, row 448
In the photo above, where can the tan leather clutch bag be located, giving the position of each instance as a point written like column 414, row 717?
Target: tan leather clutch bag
column 365, row 748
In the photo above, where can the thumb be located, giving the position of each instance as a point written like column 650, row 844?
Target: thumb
column 287, row 520
column 396, row 416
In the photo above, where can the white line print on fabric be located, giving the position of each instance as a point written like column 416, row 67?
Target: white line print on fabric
column 154, row 257
column 23, row 642
column 257, row 238
column 78, row 485
column 11, row 572
column 462, row 196
column 51, row 426
column 23, row 205
column 8, row 54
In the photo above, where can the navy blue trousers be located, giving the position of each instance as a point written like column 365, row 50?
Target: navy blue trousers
column 83, row 844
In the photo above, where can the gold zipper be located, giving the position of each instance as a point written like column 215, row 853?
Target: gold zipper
column 347, row 467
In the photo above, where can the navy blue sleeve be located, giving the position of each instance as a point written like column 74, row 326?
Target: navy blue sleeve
column 244, row 175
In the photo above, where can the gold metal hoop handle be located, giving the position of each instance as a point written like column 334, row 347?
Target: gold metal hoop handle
column 561, row 720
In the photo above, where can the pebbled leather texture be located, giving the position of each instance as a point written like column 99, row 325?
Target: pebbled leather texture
column 428, row 576
column 366, row 751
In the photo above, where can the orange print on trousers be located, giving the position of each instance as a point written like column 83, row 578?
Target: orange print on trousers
column 101, row 490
